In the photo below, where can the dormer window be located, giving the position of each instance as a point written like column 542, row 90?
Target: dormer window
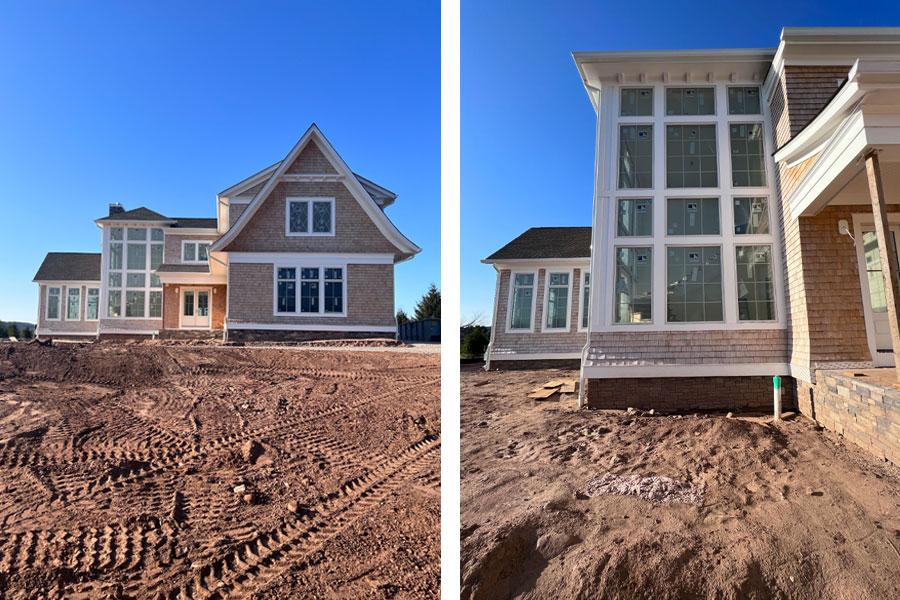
column 309, row 216
column 195, row 252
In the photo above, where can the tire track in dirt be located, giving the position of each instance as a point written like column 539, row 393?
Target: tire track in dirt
column 271, row 553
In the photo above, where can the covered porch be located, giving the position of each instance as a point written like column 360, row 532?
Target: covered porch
column 194, row 301
column 840, row 179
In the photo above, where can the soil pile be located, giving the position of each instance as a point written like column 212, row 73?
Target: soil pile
column 158, row 471
column 786, row 511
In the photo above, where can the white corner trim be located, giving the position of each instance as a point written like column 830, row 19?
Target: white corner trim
column 692, row 370
column 310, row 200
column 379, row 218
column 293, row 327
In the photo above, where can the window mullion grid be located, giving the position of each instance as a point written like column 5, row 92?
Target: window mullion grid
column 726, row 209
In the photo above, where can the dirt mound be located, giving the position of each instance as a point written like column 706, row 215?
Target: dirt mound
column 786, row 511
column 144, row 471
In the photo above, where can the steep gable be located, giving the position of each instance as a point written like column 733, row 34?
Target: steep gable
column 311, row 160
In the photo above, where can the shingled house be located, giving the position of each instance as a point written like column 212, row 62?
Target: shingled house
column 302, row 249
column 746, row 203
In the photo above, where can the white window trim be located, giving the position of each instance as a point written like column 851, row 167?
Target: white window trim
column 696, row 86
column 584, row 307
column 733, row 120
column 772, row 251
column 99, row 307
column 68, row 292
column 626, row 238
column 697, row 196
column 688, row 324
column 546, row 301
column 105, row 289
column 711, row 120
column 605, row 237
column 743, row 87
column 197, row 261
column 309, row 208
column 321, row 266
column 195, row 289
column 509, row 300
column 628, row 121
column 653, row 287
column 59, row 308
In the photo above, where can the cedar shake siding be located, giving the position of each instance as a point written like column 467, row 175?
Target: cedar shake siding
column 354, row 230
column 64, row 325
column 800, row 94
column 311, row 161
column 369, row 301
column 520, row 344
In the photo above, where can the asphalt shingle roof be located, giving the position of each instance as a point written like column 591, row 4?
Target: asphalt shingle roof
column 136, row 214
column 196, row 222
column 547, row 242
column 69, row 266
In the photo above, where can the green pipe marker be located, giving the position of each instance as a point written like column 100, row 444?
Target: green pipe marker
column 776, row 382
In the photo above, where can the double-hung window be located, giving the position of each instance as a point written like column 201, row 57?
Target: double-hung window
column 633, row 297
column 73, row 304
column 53, row 303
column 557, row 301
column 321, row 290
column 309, row 216
column 522, row 304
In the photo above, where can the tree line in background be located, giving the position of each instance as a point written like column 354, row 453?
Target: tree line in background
column 16, row 330
column 428, row 307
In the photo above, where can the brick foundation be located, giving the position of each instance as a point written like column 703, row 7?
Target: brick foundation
column 866, row 414
column 682, row 394
column 265, row 335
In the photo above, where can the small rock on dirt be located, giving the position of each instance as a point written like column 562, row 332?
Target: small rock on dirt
column 240, row 489
column 251, row 450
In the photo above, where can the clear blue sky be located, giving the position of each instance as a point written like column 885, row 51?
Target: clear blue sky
column 164, row 104
column 527, row 125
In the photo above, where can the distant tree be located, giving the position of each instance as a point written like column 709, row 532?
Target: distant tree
column 26, row 333
column 475, row 342
column 12, row 330
column 430, row 304
column 402, row 317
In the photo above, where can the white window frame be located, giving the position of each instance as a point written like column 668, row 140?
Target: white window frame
column 692, row 123
column 699, row 236
column 752, row 120
column 772, row 251
column 546, row 300
column 105, row 288
column 653, row 287
column 700, row 244
column 584, row 308
column 636, row 122
column 87, row 294
column 605, row 222
column 309, row 208
column 195, row 243
column 511, row 293
column 68, row 293
column 298, row 280
column 59, row 308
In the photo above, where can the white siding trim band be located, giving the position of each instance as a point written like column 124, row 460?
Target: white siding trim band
column 291, row 327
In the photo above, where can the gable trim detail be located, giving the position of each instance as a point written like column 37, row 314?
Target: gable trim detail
column 356, row 189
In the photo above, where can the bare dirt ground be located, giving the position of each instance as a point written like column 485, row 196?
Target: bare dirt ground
column 749, row 510
column 183, row 472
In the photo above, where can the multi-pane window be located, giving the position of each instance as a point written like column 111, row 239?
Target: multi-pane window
column 692, row 216
column 635, row 156
column 871, row 254
column 92, row 307
column 755, row 287
column 114, row 302
column 137, row 257
column 747, row 162
column 635, row 217
column 334, row 290
column 133, row 254
column 73, row 304
column 694, row 284
column 53, row 302
column 585, row 300
column 156, row 259
column 310, row 216
column 743, row 100
column 309, row 290
column 637, row 102
column 691, row 158
column 557, row 301
column 633, row 298
column 287, row 290
column 522, row 301
column 155, row 305
column 134, row 303
column 751, row 216
column 690, row 101
column 195, row 251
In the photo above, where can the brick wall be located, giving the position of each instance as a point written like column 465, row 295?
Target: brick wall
column 370, row 297
column 680, row 394
column 864, row 413
column 540, row 341
column 734, row 346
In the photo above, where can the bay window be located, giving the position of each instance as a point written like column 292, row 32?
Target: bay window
column 134, row 290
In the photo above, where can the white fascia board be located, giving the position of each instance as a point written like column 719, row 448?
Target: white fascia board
column 696, row 370
column 280, row 257
column 249, row 182
column 293, row 327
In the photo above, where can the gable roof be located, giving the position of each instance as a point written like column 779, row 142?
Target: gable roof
column 546, row 242
column 141, row 213
column 69, row 266
column 365, row 200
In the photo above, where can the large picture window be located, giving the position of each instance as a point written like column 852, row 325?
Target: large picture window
column 73, row 304
column 635, row 156
column 692, row 216
column 557, row 301
column 321, row 290
column 309, row 216
column 522, row 301
column 633, row 297
column 756, row 290
column 694, row 284
column 635, row 217
column 691, row 158
column 690, row 101
column 747, row 161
